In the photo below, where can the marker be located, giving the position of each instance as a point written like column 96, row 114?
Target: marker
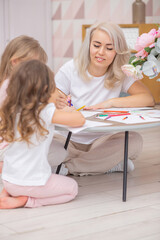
column 80, row 108
column 118, row 114
column 124, row 118
column 142, row 117
column 102, row 115
column 107, row 117
column 109, row 111
column 70, row 104
column 69, row 101
column 61, row 92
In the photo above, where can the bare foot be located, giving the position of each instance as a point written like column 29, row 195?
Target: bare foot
column 1, row 165
column 4, row 193
column 12, row 202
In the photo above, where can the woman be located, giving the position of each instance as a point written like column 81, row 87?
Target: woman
column 95, row 79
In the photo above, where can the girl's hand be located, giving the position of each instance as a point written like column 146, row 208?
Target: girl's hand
column 69, row 109
column 61, row 100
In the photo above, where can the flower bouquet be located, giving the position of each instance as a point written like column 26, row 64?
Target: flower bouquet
column 147, row 58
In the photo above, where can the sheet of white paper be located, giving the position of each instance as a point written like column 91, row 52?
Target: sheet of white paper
column 124, row 109
column 132, row 119
column 88, row 113
column 152, row 113
column 88, row 124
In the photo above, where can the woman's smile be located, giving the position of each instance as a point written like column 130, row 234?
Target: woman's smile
column 102, row 53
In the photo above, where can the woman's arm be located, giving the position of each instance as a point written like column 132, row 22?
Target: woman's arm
column 68, row 116
column 140, row 96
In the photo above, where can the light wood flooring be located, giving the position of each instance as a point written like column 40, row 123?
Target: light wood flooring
column 98, row 212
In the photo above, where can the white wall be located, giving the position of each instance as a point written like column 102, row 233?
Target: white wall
column 28, row 17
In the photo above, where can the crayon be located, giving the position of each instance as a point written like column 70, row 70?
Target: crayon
column 124, row 118
column 142, row 117
column 109, row 111
column 80, row 108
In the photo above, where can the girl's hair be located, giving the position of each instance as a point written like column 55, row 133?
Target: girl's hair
column 20, row 48
column 114, row 73
column 31, row 85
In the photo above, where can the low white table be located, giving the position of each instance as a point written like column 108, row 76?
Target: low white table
column 115, row 127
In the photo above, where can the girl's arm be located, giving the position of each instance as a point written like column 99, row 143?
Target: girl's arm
column 140, row 96
column 68, row 116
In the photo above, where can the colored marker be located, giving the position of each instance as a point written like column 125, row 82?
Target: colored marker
column 107, row 117
column 109, row 111
column 142, row 117
column 124, row 118
column 80, row 108
column 118, row 114
column 102, row 115
column 70, row 104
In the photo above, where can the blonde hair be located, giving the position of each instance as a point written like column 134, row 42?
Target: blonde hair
column 30, row 87
column 21, row 48
column 114, row 74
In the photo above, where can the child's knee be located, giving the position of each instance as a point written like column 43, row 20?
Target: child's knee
column 74, row 189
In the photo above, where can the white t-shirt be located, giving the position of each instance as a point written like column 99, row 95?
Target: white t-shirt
column 86, row 93
column 27, row 165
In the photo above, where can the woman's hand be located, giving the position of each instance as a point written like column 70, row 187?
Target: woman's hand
column 102, row 105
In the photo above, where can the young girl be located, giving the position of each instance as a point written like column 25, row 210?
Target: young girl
column 27, row 123
column 20, row 49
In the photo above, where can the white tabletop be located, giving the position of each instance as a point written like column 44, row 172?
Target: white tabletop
column 116, row 127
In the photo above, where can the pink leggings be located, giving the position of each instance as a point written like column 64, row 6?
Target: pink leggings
column 58, row 189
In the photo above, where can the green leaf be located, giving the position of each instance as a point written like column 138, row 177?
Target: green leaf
column 148, row 49
column 138, row 62
column 131, row 59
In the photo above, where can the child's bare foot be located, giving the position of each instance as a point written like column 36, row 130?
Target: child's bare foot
column 12, row 202
column 1, row 165
column 4, row 193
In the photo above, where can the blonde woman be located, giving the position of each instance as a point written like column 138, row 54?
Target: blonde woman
column 95, row 79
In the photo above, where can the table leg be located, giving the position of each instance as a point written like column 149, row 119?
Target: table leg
column 125, row 166
column 65, row 147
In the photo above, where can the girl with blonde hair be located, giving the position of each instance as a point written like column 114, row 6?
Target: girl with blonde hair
column 19, row 49
column 27, row 122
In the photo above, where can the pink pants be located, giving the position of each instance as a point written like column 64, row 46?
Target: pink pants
column 58, row 189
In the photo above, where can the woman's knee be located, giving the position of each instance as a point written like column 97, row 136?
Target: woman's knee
column 135, row 144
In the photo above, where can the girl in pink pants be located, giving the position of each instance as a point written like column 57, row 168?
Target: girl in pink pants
column 58, row 189
column 27, row 122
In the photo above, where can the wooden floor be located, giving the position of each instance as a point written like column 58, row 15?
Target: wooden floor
column 98, row 212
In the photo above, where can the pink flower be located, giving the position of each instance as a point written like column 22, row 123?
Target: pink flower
column 158, row 34
column 132, row 71
column 146, row 40
column 142, row 54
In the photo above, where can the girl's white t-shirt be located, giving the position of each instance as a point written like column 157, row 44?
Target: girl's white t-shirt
column 27, row 165
column 87, row 93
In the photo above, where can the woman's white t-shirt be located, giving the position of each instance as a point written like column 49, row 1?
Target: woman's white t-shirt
column 87, row 92
column 27, row 165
